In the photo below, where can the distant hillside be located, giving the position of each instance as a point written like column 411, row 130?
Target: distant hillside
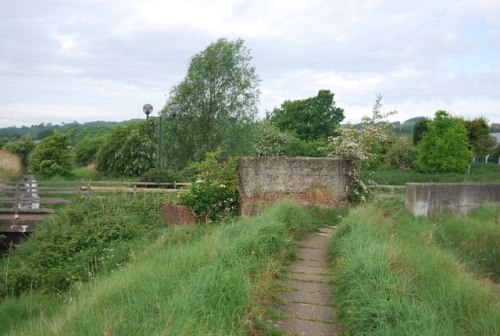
column 76, row 130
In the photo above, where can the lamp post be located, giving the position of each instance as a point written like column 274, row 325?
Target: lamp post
column 173, row 111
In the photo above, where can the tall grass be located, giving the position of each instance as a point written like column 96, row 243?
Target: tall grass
column 391, row 176
column 393, row 278
column 178, row 285
column 10, row 166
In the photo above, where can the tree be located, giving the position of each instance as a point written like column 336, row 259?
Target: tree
column 311, row 118
column 445, row 146
column 217, row 102
column 129, row 150
column 51, row 156
column 401, row 154
column 86, row 150
column 419, row 130
column 21, row 147
column 479, row 136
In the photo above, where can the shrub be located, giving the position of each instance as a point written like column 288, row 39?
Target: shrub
column 214, row 194
column 160, row 175
column 445, row 146
column 86, row 150
column 21, row 147
column 402, row 154
column 51, row 156
column 129, row 150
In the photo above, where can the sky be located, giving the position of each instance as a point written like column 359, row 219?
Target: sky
column 86, row 60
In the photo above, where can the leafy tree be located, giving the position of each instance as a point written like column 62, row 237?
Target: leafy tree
column 21, row 147
column 217, row 102
column 270, row 141
column 129, row 150
column 86, row 150
column 51, row 156
column 419, row 130
column 311, row 118
column 445, row 146
column 402, row 154
column 44, row 133
column 479, row 136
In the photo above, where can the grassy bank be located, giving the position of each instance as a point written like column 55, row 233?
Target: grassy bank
column 479, row 173
column 397, row 275
column 203, row 280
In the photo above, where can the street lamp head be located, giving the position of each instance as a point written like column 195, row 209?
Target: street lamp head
column 147, row 109
column 174, row 109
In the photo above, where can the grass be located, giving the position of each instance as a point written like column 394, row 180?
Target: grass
column 200, row 280
column 397, row 275
column 479, row 173
column 10, row 166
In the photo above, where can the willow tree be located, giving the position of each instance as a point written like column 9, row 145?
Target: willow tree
column 216, row 103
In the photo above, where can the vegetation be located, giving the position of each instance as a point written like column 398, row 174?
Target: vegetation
column 86, row 150
column 217, row 102
column 397, row 275
column 479, row 136
column 10, row 166
column 84, row 237
column 214, row 194
column 51, row 156
column 479, row 173
column 22, row 147
column 401, row 154
column 129, row 150
column 445, row 146
column 310, row 119
column 199, row 280
column 357, row 146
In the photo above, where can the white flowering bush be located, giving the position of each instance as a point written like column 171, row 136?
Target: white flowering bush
column 214, row 194
column 356, row 146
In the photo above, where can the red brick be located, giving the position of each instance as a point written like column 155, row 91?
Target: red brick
column 177, row 214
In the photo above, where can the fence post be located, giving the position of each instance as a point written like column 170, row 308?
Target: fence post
column 487, row 156
column 16, row 211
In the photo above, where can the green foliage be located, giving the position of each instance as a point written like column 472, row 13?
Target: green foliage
column 86, row 150
column 270, row 141
column 21, row 147
column 160, row 175
column 214, row 194
column 402, row 154
column 198, row 280
column 445, row 146
column 361, row 147
column 312, row 148
column 79, row 241
column 129, row 150
column 392, row 278
column 311, row 118
column 217, row 102
column 419, row 130
column 479, row 136
column 479, row 173
column 51, row 156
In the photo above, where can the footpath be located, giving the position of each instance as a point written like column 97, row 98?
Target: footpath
column 308, row 296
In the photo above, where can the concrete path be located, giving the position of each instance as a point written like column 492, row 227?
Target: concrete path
column 305, row 303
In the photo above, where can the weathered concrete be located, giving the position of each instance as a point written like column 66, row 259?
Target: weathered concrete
column 310, row 181
column 425, row 199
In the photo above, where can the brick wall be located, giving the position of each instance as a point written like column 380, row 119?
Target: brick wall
column 177, row 214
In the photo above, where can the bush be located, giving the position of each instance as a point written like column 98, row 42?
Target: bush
column 51, row 156
column 445, row 146
column 86, row 150
column 160, row 175
column 129, row 150
column 22, row 147
column 214, row 194
column 402, row 154
column 85, row 237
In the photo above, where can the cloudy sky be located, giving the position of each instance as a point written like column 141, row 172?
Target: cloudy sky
column 85, row 60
